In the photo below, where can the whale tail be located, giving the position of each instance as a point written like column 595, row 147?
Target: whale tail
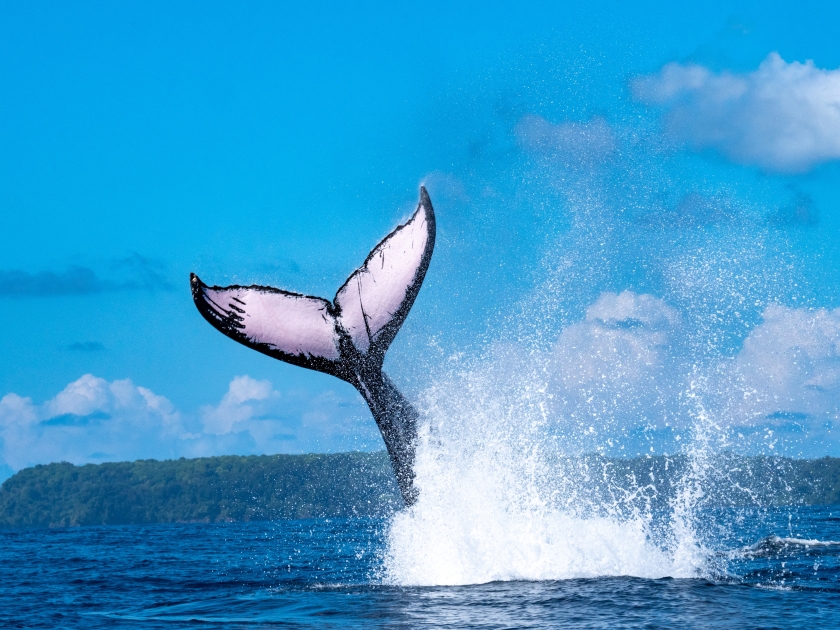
column 347, row 337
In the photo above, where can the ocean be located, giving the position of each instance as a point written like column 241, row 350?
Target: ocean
column 775, row 568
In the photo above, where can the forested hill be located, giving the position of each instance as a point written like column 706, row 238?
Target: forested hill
column 269, row 487
column 228, row 488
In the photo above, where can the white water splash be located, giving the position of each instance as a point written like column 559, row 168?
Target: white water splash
column 499, row 501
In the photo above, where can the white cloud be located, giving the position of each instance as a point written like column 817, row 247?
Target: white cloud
column 789, row 366
column 94, row 420
column 289, row 421
column 626, row 360
column 632, row 310
column 783, row 117
column 619, row 361
column 16, row 410
column 90, row 420
column 246, row 398
column 628, row 373
column 625, row 367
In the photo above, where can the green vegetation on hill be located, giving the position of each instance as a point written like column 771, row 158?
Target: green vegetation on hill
column 269, row 487
column 229, row 488
column 727, row 480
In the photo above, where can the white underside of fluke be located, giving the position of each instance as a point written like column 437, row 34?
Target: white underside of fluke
column 368, row 309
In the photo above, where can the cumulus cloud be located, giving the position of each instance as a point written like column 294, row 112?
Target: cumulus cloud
column 628, row 352
column 288, row 421
column 625, row 366
column 789, row 366
column 628, row 375
column 93, row 420
column 90, row 420
column 617, row 362
column 783, row 117
column 245, row 399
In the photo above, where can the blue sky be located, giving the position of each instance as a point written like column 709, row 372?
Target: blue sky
column 567, row 160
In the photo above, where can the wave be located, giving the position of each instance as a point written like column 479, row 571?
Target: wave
column 774, row 545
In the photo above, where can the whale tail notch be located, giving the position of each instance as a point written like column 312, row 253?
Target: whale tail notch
column 348, row 337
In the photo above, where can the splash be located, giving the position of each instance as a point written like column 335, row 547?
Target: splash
column 502, row 499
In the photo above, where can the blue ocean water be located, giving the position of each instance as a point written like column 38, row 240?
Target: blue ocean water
column 778, row 569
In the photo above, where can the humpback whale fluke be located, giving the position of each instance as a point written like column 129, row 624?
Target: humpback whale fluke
column 347, row 337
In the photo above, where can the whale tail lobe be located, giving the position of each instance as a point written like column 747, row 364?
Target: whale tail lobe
column 347, row 337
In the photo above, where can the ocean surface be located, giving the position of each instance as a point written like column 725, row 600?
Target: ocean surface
column 775, row 568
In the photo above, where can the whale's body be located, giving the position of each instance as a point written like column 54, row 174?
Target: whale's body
column 347, row 337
